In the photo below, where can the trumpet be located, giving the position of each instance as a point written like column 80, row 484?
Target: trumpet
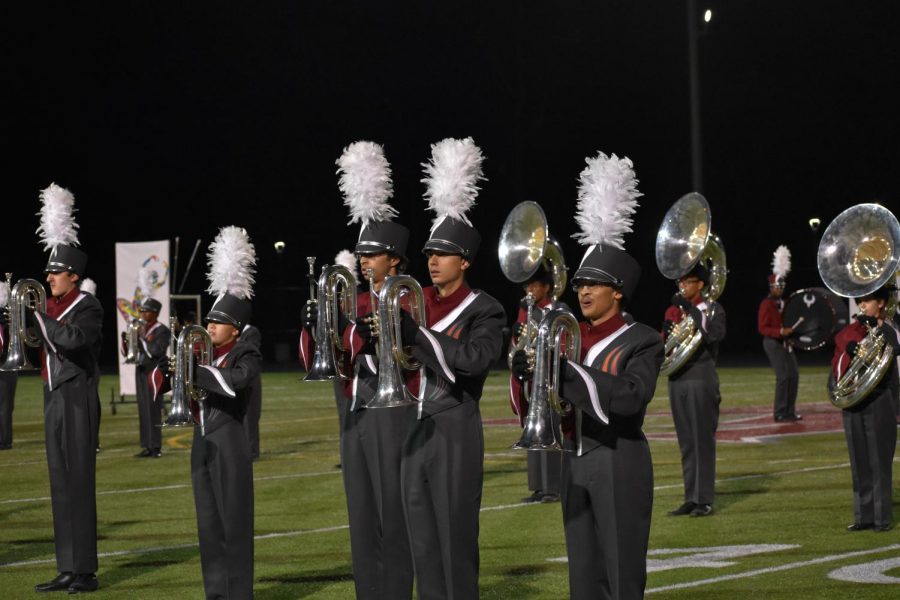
column 336, row 292
column 393, row 358
column 28, row 294
column 541, row 431
column 181, row 363
column 131, row 338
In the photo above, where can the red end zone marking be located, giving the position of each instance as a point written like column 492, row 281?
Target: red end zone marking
column 751, row 424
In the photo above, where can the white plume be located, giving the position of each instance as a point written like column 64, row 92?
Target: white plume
column 781, row 262
column 347, row 259
column 365, row 180
column 232, row 263
column 145, row 281
column 58, row 226
column 4, row 294
column 89, row 286
column 607, row 197
column 452, row 178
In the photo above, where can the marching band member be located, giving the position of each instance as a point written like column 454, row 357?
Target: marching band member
column 543, row 465
column 221, row 467
column 8, row 379
column 781, row 354
column 154, row 339
column 870, row 425
column 372, row 439
column 443, row 454
column 71, row 333
column 607, row 473
column 694, row 393
column 251, row 335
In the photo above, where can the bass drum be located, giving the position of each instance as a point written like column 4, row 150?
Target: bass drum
column 822, row 312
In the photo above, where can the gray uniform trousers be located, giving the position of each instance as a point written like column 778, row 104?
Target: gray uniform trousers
column 543, row 471
column 623, row 505
column 70, row 417
column 442, row 473
column 695, row 410
column 787, row 376
column 149, row 413
column 222, row 477
column 7, row 403
column 871, row 431
column 371, row 445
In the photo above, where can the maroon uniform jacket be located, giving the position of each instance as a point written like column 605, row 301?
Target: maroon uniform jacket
column 769, row 321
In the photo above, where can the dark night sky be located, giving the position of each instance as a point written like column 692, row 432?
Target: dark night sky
column 173, row 120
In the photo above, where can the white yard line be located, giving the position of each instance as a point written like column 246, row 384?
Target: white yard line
column 784, row 567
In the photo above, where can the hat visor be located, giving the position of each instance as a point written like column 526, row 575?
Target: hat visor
column 595, row 275
column 442, row 246
column 368, row 247
column 216, row 316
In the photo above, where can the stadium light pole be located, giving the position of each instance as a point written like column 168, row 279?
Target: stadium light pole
column 694, row 84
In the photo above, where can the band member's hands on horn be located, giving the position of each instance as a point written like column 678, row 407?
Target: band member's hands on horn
column 522, row 368
column 867, row 320
column 682, row 302
column 310, row 314
column 408, row 328
column 668, row 326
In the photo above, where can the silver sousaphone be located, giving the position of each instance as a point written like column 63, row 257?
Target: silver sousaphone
column 525, row 243
column 859, row 254
column 685, row 239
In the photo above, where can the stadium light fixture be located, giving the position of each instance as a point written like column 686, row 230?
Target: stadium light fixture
column 279, row 246
column 707, row 16
column 814, row 224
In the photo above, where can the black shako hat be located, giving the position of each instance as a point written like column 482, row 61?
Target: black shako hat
column 230, row 310
column 151, row 304
column 606, row 264
column 67, row 258
column 454, row 237
column 383, row 236
column 700, row 272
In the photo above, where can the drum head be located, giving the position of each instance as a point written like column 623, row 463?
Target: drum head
column 819, row 313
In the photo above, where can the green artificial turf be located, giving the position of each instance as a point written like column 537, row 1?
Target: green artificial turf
column 793, row 491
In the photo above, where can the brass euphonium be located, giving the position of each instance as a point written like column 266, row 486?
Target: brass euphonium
column 182, row 365
column 132, row 348
column 393, row 358
column 859, row 254
column 541, row 430
column 685, row 239
column 28, row 294
column 336, row 294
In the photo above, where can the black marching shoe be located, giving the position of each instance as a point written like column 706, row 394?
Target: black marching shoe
column 684, row 509
column 538, row 496
column 143, row 453
column 85, row 582
column 156, row 453
column 702, row 510
column 860, row 526
column 57, row 584
column 882, row 528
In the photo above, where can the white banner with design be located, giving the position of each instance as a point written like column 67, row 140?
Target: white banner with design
column 130, row 259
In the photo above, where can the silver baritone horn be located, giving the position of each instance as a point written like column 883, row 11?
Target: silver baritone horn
column 685, row 239
column 393, row 358
column 859, row 254
column 28, row 294
column 336, row 294
column 541, row 430
column 132, row 348
column 192, row 338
